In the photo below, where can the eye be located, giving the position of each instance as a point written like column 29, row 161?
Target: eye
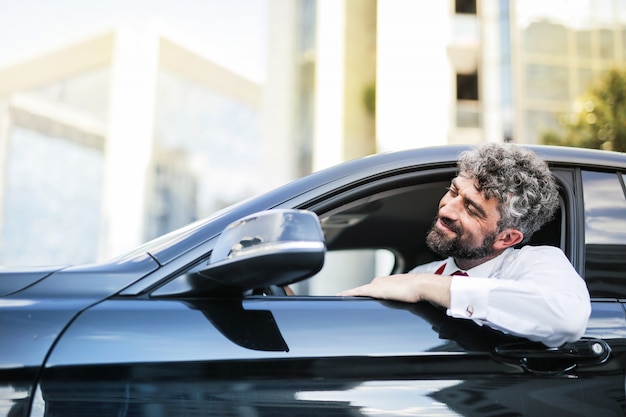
column 452, row 190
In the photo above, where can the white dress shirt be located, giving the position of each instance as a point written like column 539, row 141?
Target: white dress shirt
column 533, row 292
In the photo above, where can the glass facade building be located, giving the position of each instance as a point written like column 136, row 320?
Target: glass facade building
column 562, row 46
column 52, row 200
column 206, row 154
column 53, row 152
column 500, row 70
column 198, row 150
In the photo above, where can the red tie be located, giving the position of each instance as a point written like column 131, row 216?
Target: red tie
column 458, row 272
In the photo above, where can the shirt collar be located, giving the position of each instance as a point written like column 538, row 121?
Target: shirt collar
column 485, row 269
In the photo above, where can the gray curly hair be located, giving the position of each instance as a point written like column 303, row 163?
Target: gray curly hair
column 518, row 179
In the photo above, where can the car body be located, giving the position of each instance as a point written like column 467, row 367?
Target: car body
column 172, row 330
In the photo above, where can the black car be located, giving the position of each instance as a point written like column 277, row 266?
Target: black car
column 197, row 323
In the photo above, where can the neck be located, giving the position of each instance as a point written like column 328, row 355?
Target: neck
column 466, row 264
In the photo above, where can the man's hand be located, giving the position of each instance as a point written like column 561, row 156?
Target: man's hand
column 409, row 288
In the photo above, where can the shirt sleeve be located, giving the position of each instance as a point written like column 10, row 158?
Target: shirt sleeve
column 537, row 294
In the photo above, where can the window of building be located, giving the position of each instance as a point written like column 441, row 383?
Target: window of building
column 547, row 82
column 307, row 17
column 465, row 6
column 467, row 106
column 52, row 199
column 606, row 44
column 467, row 86
column 206, row 153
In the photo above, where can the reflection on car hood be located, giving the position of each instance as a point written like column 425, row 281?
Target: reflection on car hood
column 15, row 279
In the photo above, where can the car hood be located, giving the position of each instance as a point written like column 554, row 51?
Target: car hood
column 14, row 279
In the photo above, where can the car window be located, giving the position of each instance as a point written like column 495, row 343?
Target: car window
column 385, row 232
column 376, row 230
column 605, row 233
column 344, row 269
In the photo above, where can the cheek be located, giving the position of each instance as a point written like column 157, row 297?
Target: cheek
column 478, row 232
column 471, row 237
column 474, row 232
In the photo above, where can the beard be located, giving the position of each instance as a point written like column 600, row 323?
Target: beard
column 457, row 246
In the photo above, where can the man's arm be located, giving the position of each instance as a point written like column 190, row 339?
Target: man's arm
column 538, row 296
column 409, row 288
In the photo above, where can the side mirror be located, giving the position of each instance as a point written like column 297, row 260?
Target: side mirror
column 274, row 247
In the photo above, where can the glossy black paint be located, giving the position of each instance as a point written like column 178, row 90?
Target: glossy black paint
column 32, row 320
column 127, row 338
column 13, row 280
column 341, row 356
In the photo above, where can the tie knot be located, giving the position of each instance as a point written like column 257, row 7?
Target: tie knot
column 461, row 273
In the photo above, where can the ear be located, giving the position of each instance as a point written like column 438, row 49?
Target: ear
column 508, row 238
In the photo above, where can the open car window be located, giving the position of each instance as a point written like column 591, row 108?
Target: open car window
column 379, row 234
column 385, row 233
column 377, row 228
column 345, row 269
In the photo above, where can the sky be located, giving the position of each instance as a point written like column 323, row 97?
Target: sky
column 233, row 32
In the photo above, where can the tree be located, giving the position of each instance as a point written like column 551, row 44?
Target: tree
column 599, row 121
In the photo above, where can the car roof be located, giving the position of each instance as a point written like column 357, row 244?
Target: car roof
column 186, row 243
column 346, row 172
column 580, row 156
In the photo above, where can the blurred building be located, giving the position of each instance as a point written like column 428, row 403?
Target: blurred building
column 560, row 47
column 352, row 77
column 117, row 139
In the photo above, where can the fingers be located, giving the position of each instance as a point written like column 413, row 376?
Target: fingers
column 387, row 288
column 409, row 288
column 353, row 292
column 368, row 290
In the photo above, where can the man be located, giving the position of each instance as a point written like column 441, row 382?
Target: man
column 500, row 197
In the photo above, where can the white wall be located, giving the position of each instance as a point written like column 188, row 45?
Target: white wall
column 413, row 76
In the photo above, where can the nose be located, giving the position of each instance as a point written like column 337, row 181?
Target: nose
column 450, row 206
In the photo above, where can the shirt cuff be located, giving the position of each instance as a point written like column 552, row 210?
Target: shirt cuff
column 469, row 297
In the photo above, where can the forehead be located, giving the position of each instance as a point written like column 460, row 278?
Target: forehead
column 466, row 183
column 468, row 189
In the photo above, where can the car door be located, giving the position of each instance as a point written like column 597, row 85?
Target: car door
column 298, row 355
column 169, row 353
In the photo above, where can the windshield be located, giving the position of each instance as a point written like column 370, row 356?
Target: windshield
column 174, row 235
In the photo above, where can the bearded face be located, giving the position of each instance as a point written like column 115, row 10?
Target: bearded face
column 461, row 245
